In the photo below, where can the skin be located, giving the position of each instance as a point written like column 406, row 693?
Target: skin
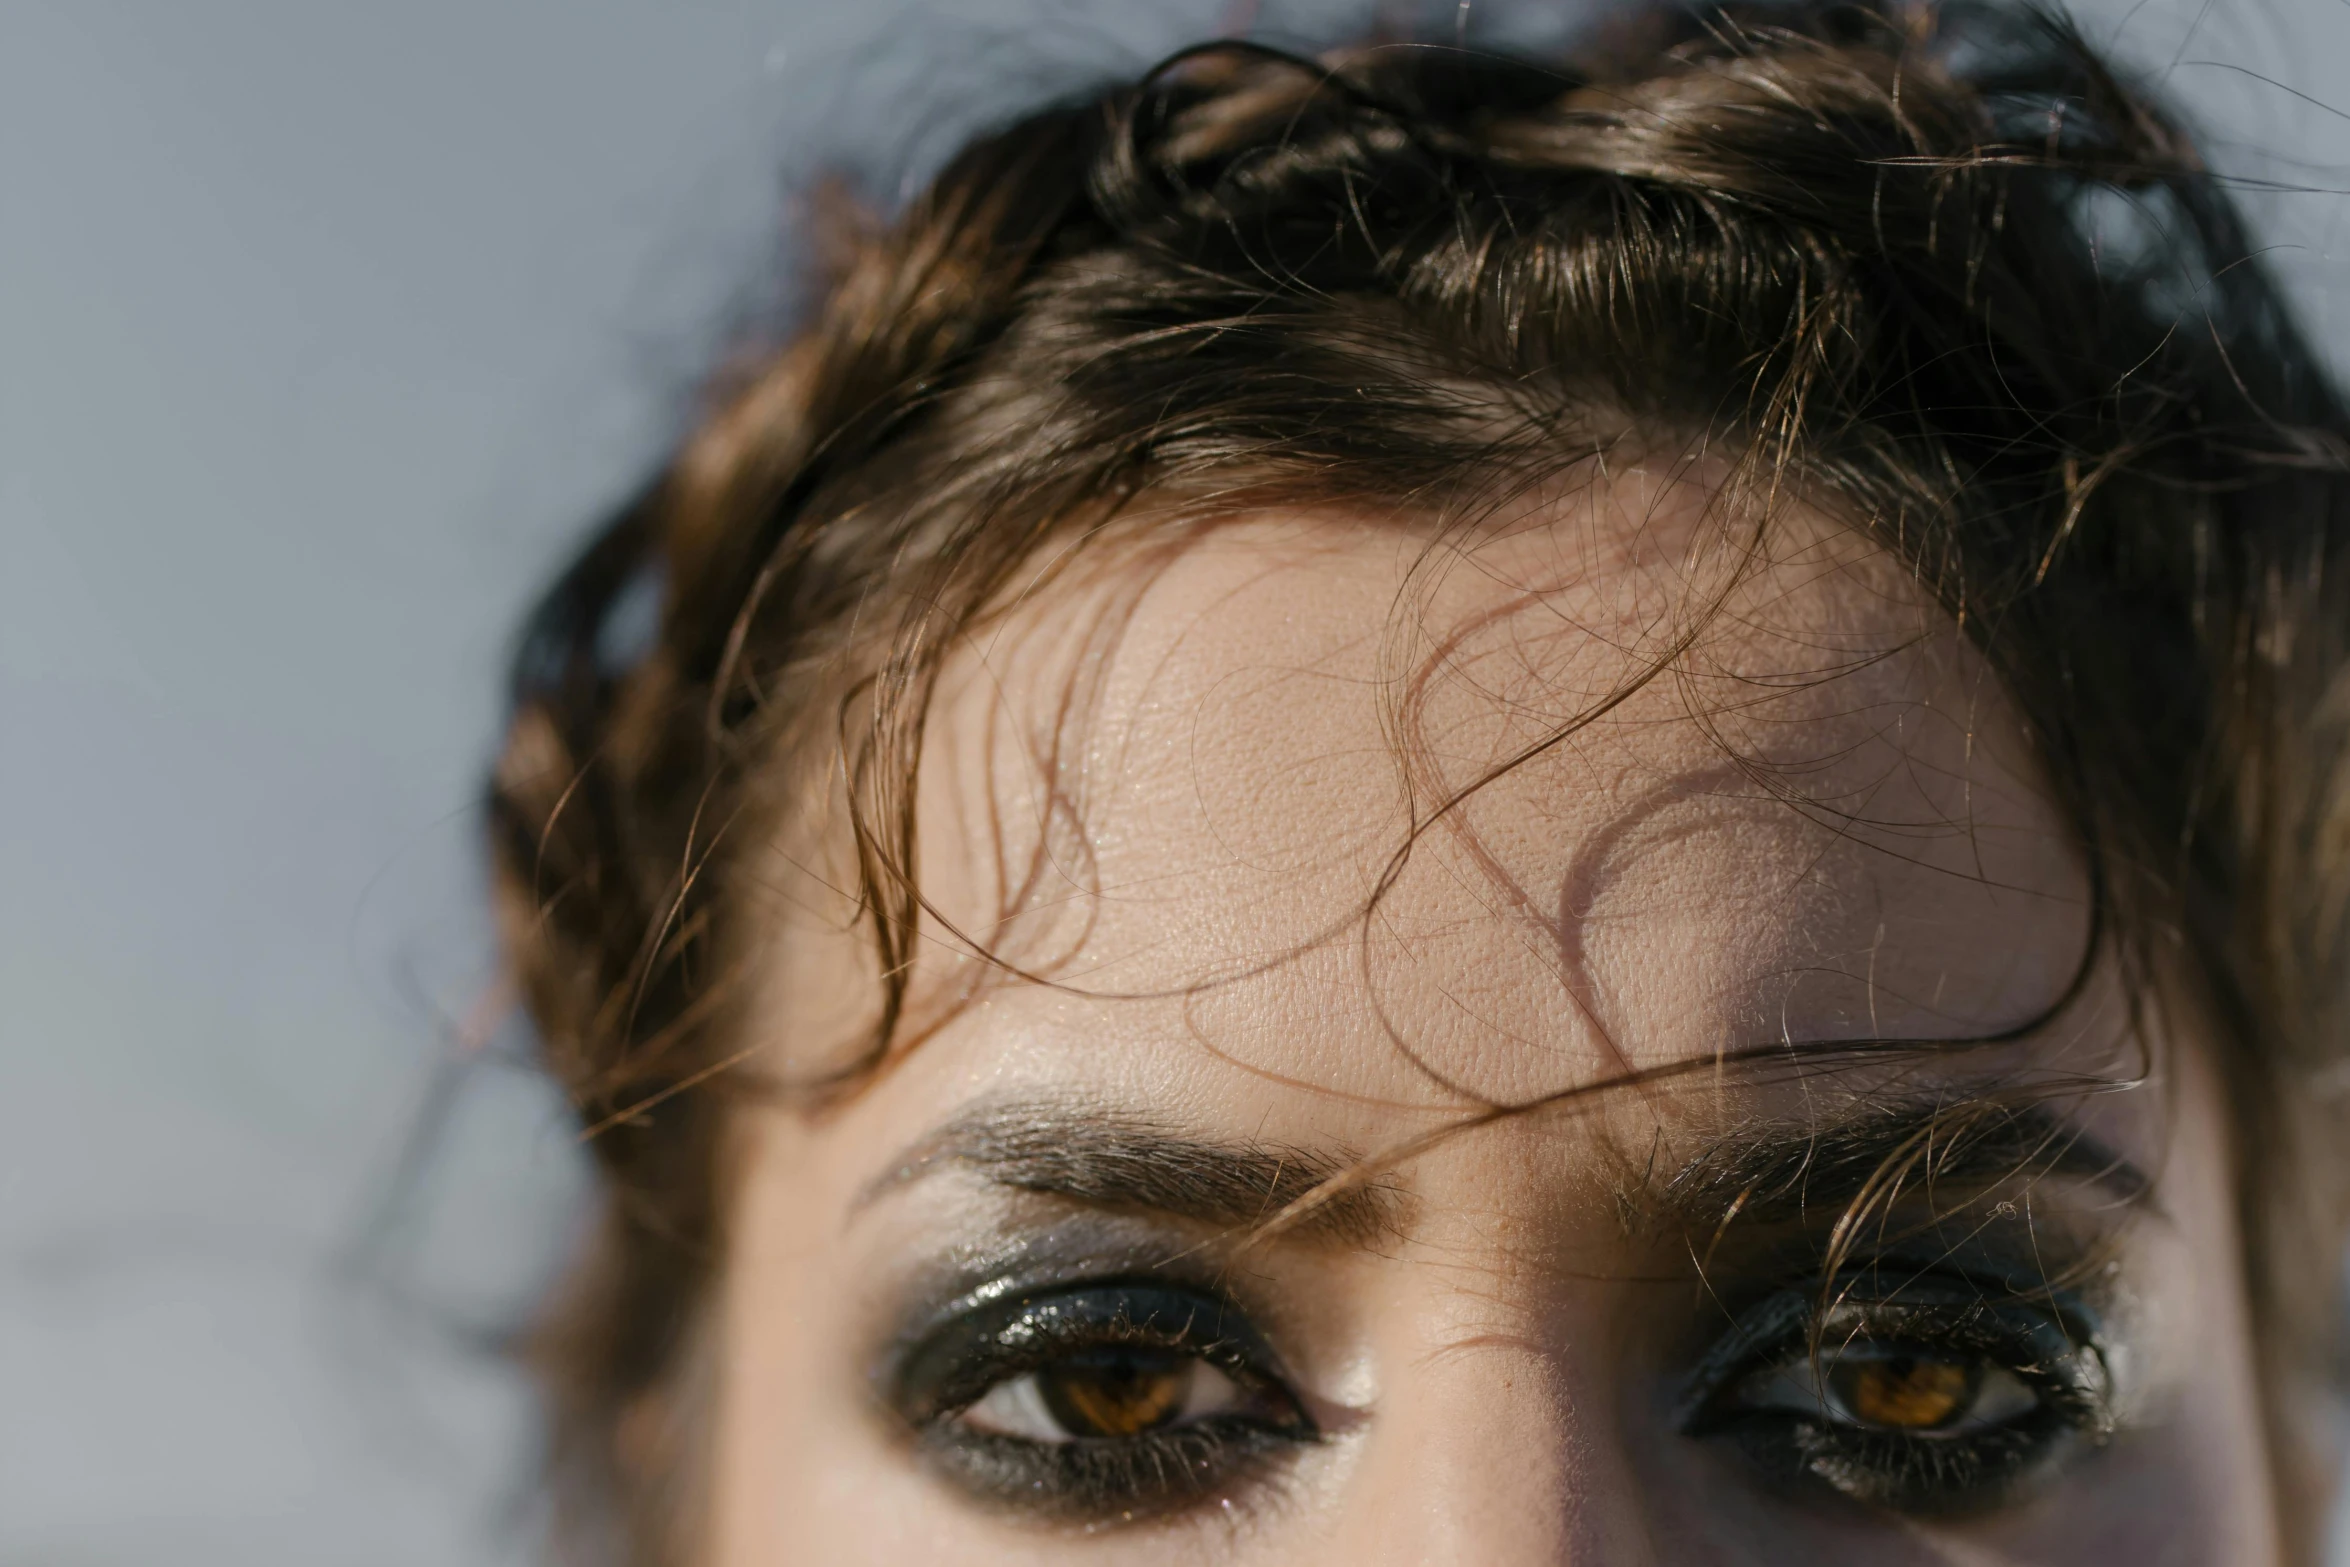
column 1162, row 785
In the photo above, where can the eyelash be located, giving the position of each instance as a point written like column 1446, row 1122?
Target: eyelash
column 2003, row 1387
column 1780, row 1386
column 1001, row 1352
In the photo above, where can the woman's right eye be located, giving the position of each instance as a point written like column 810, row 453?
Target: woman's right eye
column 1107, row 1394
column 1106, row 1401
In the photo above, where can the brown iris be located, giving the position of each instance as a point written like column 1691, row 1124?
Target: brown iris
column 1905, row 1392
column 1116, row 1392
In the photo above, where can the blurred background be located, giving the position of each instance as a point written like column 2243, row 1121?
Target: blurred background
column 325, row 329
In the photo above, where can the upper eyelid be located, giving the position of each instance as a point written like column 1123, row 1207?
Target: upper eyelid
column 1066, row 1254
column 1069, row 1251
column 1236, row 1342
column 1076, row 1249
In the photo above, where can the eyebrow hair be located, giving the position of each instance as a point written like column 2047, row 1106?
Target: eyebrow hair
column 1110, row 1158
column 1761, row 1172
column 1780, row 1172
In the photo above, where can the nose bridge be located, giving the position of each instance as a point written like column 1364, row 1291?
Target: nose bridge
column 1496, row 1451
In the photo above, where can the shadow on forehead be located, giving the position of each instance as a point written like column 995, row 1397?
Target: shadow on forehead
column 1197, row 776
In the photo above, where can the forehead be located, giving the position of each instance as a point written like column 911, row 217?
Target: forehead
column 1616, row 780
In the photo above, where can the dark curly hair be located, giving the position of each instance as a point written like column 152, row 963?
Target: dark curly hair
column 1941, row 267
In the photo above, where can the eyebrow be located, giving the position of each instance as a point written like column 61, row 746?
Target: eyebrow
column 1108, row 1158
column 1763, row 1172
column 1777, row 1172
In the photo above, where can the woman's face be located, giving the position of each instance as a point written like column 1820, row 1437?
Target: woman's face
column 1791, row 1296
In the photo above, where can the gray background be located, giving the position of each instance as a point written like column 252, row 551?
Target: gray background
column 323, row 328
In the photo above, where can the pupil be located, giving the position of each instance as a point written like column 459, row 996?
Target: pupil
column 1117, row 1392
column 1906, row 1392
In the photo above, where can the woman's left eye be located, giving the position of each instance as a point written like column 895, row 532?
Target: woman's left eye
column 1936, row 1396
column 1916, row 1390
